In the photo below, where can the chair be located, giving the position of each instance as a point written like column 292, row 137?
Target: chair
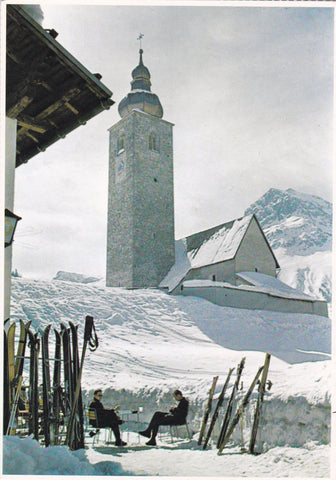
column 93, row 422
column 174, row 430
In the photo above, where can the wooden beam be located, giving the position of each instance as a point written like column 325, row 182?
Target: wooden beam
column 70, row 107
column 32, row 137
column 29, row 124
column 62, row 101
column 16, row 109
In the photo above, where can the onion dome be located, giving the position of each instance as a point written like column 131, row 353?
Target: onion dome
column 140, row 96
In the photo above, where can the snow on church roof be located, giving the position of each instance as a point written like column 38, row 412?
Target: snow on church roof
column 273, row 286
column 214, row 245
column 180, row 268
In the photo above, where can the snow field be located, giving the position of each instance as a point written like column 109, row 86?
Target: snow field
column 151, row 343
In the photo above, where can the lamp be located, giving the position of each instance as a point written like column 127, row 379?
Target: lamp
column 10, row 225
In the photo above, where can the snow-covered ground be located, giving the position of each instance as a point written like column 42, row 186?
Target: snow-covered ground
column 151, row 343
column 183, row 458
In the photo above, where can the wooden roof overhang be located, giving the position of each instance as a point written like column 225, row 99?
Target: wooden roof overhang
column 48, row 91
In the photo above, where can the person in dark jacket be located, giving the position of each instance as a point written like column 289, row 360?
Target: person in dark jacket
column 176, row 416
column 106, row 417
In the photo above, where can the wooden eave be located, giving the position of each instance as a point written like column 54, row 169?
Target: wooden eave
column 48, row 91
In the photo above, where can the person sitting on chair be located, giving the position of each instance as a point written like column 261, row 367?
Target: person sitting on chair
column 106, row 417
column 177, row 416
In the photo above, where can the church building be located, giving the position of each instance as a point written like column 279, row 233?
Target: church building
column 231, row 264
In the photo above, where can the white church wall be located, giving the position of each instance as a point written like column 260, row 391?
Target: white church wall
column 254, row 254
column 235, row 298
column 223, row 272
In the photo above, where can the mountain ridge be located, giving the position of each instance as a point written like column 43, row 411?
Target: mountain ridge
column 298, row 227
column 300, row 223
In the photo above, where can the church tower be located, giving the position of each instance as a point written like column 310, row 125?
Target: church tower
column 140, row 227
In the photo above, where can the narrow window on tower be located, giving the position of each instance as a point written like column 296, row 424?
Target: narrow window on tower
column 153, row 142
column 121, row 144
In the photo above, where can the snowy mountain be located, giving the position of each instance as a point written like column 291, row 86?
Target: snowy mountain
column 74, row 277
column 299, row 229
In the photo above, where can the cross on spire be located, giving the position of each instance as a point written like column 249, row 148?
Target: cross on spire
column 139, row 38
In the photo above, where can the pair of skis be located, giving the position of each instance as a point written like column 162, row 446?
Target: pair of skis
column 227, row 428
column 13, row 369
column 68, row 400
column 52, row 400
column 219, row 405
column 75, row 429
column 242, row 406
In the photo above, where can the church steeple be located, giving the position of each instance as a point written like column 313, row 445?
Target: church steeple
column 141, row 76
column 140, row 229
column 140, row 96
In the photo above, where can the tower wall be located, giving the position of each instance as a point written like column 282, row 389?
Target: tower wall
column 140, row 238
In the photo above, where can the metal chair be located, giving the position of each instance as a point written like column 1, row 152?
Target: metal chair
column 174, row 430
column 93, row 422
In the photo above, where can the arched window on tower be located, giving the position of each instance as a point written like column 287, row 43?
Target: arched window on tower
column 121, row 144
column 153, row 142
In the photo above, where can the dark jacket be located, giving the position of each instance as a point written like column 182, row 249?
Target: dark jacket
column 97, row 405
column 105, row 417
column 181, row 411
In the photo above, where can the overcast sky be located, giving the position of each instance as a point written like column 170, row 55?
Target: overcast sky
column 249, row 89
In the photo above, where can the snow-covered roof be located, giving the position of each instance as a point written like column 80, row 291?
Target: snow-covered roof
column 214, row 245
column 181, row 267
column 217, row 244
column 273, row 286
column 259, row 282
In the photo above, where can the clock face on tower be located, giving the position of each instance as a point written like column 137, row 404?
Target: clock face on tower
column 120, row 172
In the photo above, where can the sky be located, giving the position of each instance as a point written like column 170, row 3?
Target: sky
column 249, row 90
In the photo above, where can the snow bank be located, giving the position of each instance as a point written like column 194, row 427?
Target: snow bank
column 182, row 458
column 59, row 460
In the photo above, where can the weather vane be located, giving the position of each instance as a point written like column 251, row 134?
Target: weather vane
column 139, row 38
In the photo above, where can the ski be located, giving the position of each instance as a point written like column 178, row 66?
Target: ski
column 46, row 385
column 18, row 370
column 6, row 390
column 91, row 340
column 67, row 369
column 218, row 406
column 34, row 345
column 11, row 360
column 56, row 392
column 20, row 355
column 79, row 423
column 11, row 425
column 240, row 411
column 207, row 410
column 228, row 412
column 260, row 400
